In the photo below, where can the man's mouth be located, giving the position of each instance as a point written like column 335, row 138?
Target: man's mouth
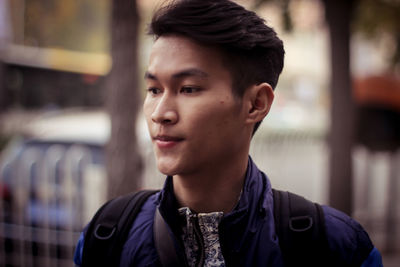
column 165, row 141
column 166, row 138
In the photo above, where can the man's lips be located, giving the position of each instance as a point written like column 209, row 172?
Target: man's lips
column 165, row 141
column 166, row 138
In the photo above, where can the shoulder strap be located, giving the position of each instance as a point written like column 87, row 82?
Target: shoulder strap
column 164, row 244
column 109, row 228
column 300, row 226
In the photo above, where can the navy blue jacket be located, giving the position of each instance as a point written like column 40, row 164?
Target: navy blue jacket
column 247, row 234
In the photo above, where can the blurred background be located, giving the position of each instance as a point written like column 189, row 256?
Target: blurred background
column 72, row 134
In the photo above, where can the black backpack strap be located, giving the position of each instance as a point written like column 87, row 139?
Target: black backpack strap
column 300, row 226
column 164, row 244
column 109, row 228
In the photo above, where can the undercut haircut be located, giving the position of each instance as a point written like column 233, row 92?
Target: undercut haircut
column 251, row 50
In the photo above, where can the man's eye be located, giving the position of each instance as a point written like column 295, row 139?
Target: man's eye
column 189, row 89
column 153, row 90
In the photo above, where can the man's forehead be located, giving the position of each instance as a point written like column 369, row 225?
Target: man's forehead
column 181, row 57
column 178, row 45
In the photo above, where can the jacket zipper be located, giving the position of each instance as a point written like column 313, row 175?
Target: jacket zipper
column 199, row 238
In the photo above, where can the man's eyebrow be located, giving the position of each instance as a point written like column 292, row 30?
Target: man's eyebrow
column 190, row 72
column 180, row 74
column 149, row 76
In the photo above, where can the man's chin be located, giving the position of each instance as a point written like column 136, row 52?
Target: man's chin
column 167, row 173
column 166, row 169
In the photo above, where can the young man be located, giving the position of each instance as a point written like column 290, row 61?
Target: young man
column 210, row 81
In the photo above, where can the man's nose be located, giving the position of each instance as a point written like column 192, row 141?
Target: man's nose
column 165, row 111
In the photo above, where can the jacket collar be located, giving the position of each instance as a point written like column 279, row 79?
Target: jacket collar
column 253, row 208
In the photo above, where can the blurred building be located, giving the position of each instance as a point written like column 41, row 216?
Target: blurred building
column 54, row 53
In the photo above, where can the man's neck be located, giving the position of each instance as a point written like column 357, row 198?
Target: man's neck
column 212, row 190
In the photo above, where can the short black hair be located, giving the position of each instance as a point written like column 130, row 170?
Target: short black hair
column 252, row 51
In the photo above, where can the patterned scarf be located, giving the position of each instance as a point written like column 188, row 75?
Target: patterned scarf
column 192, row 238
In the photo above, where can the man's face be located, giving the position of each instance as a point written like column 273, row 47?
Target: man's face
column 195, row 121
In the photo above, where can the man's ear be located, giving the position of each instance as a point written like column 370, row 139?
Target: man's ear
column 259, row 102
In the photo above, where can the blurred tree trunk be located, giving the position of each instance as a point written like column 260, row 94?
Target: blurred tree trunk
column 5, row 38
column 124, row 164
column 2, row 84
column 338, row 15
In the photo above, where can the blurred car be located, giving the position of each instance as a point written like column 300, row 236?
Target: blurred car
column 52, row 180
column 55, row 171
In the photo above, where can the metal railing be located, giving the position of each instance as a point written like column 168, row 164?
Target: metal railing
column 48, row 195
